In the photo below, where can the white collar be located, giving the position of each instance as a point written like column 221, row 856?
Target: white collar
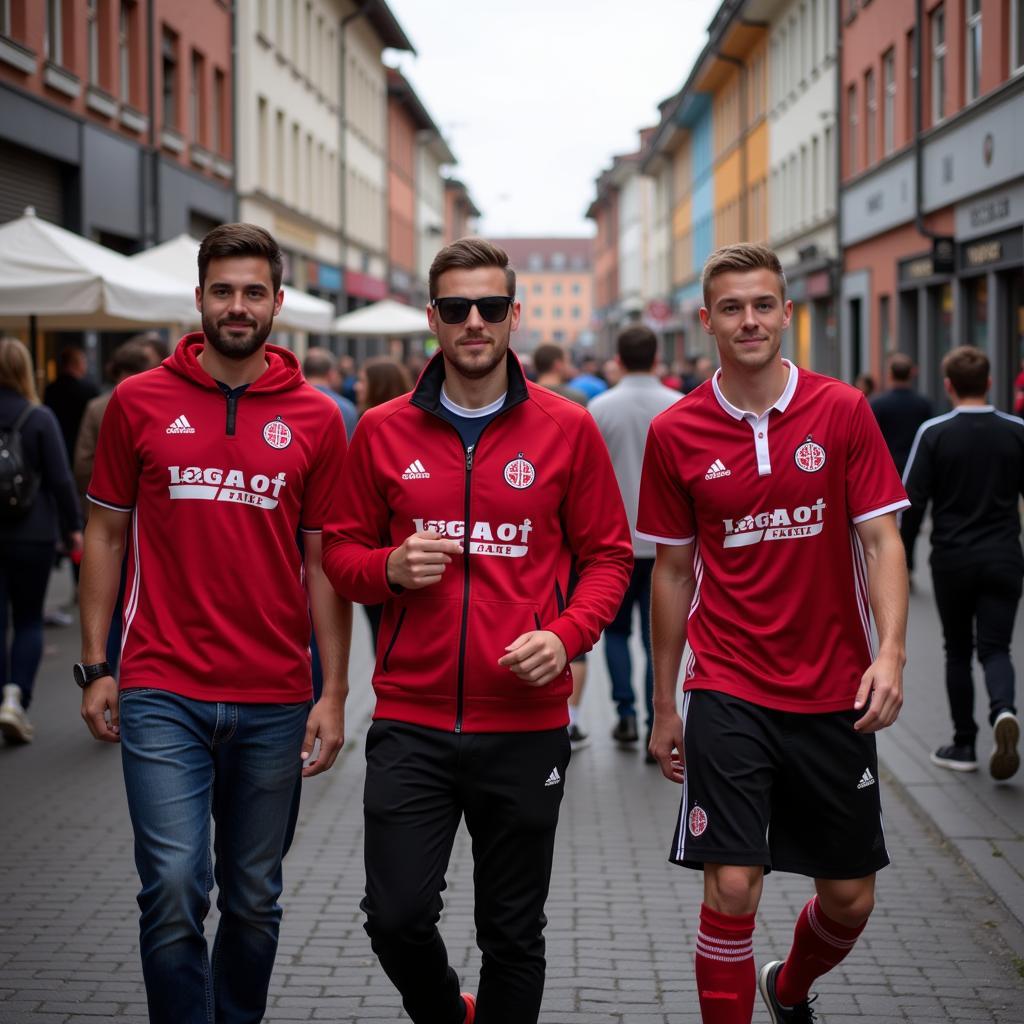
column 471, row 414
column 781, row 403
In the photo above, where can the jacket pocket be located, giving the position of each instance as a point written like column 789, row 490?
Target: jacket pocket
column 394, row 639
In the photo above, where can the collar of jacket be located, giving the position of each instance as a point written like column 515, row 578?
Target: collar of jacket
column 427, row 393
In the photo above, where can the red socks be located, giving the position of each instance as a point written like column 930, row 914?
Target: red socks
column 725, row 967
column 819, row 943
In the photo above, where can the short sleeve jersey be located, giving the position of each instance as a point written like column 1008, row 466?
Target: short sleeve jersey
column 780, row 613
column 215, row 607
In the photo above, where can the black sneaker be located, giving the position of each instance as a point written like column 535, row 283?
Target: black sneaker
column 625, row 730
column 1005, row 760
column 957, row 756
column 578, row 739
column 799, row 1014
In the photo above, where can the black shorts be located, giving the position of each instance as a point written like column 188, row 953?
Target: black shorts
column 789, row 791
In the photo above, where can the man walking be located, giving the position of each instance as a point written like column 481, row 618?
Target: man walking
column 212, row 462
column 970, row 465
column 900, row 411
column 320, row 368
column 772, row 500
column 623, row 415
column 472, row 497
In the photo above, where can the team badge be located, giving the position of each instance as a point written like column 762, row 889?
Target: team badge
column 519, row 473
column 698, row 821
column 277, row 433
column 810, row 457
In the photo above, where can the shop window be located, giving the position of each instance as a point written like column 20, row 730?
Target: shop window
column 977, row 312
column 885, row 323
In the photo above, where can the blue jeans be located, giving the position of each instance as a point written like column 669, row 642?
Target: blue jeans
column 184, row 759
column 25, row 568
column 616, row 643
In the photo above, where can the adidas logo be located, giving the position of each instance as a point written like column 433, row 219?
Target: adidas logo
column 415, row 471
column 867, row 779
column 181, row 426
column 717, row 469
column 554, row 778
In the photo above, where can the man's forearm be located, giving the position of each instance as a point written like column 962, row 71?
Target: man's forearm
column 332, row 621
column 98, row 584
column 671, row 596
column 888, row 592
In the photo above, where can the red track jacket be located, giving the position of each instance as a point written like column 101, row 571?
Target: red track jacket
column 535, row 499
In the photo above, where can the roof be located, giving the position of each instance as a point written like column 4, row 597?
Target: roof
column 385, row 24
column 537, row 255
column 401, row 88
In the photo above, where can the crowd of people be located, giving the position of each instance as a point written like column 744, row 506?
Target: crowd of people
column 495, row 515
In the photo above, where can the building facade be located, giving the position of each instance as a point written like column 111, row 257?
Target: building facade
column 932, row 198
column 554, row 285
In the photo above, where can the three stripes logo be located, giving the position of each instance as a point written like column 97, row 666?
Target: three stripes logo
column 416, row 471
column 554, row 778
column 716, row 470
column 867, row 779
column 181, row 426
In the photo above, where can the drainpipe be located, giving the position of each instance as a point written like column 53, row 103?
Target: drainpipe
column 151, row 227
column 235, row 205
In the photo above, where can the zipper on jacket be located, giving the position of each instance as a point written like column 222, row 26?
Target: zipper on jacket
column 232, row 395
column 464, row 630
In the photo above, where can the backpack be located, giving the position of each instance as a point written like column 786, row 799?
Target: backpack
column 19, row 482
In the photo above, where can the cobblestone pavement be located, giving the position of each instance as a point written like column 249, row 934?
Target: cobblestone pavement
column 942, row 945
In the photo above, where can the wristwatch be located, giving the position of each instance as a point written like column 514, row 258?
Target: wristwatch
column 85, row 674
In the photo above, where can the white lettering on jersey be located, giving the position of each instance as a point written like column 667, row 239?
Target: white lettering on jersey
column 484, row 539
column 212, row 484
column 779, row 524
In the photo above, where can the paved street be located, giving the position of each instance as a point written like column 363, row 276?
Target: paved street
column 946, row 943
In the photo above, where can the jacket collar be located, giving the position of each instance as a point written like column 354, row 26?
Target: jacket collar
column 427, row 393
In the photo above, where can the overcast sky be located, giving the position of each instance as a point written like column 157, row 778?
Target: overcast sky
column 535, row 96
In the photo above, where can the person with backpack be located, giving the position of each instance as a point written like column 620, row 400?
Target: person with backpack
column 38, row 508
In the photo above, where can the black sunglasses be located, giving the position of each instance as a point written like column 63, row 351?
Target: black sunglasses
column 493, row 308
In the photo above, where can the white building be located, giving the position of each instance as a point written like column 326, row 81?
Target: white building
column 802, row 177
column 636, row 211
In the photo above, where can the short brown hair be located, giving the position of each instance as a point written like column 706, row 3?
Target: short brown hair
column 468, row 254
column 386, row 378
column 738, row 259
column 547, row 356
column 901, row 367
column 130, row 358
column 638, row 348
column 967, row 369
column 229, row 240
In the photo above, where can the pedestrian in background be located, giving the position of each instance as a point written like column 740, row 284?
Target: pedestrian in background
column 751, row 484
column 900, row 410
column 970, row 465
column 623, row 415
column 69, row 393
column 466, row 503
column 215, row 459
column 320, row 368
column 29, row 532
column 132, row 357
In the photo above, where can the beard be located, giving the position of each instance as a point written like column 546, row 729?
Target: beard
column 233, row 346
column 476, row 367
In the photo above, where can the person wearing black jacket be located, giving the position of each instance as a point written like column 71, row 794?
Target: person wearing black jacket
column 970, row 465
column 28, row 543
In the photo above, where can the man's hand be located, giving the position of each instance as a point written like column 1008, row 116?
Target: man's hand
column 883, row 684
column 536, row 657
column 326, row 722
column 99, row 697
column 667, row 744
column 420, row 560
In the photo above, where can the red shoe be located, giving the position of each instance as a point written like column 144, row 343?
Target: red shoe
column 470, row 1000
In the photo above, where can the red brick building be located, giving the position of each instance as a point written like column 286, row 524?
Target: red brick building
column 932, row 190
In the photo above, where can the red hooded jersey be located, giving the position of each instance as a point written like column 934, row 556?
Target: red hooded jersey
column 218, row 488
column 534, row 499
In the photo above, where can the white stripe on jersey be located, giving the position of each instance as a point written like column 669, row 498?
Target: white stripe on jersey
column 677, row 541
column 132, row 604
column 685, row 802
column 860, row 580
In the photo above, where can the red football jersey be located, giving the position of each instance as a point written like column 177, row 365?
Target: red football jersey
column 780, row 614
column 215, row 607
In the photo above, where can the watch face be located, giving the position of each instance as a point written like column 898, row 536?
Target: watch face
column 79, row 673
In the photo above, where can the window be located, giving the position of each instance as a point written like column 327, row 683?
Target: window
column 889, row 109
column 538, row 289
column 92, row 18
column 124, row 52
column 884, row 322
column 972, row 76
column 556, row 289
column 556, row 312
column 262, row 143
column 816, row 172
column 5, row 17
column 1016, row 35
column 217, row 140
column 871, row 121
column 53, row 38
column 576, row 288
column 853, row 126
column 937, row 25
column 576, row 312
column 195, row 99
column 911, row 84
column 169, row 64
column 558, row 260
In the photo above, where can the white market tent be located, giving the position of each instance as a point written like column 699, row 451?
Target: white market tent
column 178, row 258
column 384, row 319
column 57, row 280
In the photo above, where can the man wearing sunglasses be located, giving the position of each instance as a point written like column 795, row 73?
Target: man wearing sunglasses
column 471, row 499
